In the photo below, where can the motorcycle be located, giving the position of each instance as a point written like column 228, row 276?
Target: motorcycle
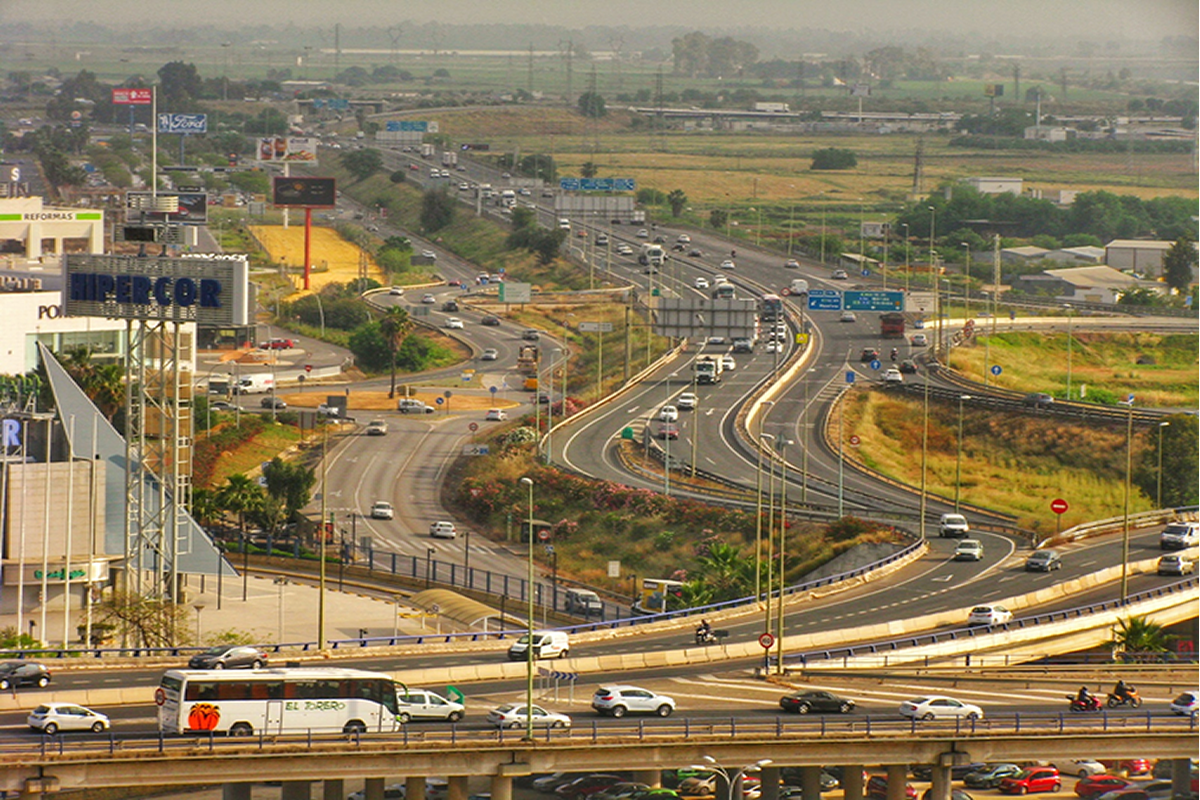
column 1092, row 703
column 709, row 636
column 1131, row 698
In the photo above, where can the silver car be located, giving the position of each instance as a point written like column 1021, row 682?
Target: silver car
column 54, row 717
column 619, row 700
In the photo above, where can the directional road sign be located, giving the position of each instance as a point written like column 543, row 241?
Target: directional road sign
column 824, row 300
column 874, row 301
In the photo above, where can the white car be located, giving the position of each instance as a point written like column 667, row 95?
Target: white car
column 454, row 322
column 989, row 615
column 382, row 510
column 490, row 354
column 792, row 263
column 969, row 550
column 687, row 401
column 701, row 283
column 443, row 530
column 728, row 363
column 51, row 718
column 426, row 704
column 919, row 340
column 847, row 316
column 939, row 707
column 683, row 238
column 643, row 234
column 669, row 414
column 1080, row 767
column 428, row 299
column 893, row 376
column 775, row 346
column 619, row 700
column 1186, row 704
column 396, row 291
column 513, row 715
column 728, row 264
column 496, row 415
column 429, row 254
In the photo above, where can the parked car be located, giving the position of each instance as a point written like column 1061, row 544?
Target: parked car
column 818, row 701
column 1127, row 766
column 23, row 673
column 50, row 718
column 548, row 783
column 989, row 776
column 877, row 788
column 617, row 700
column 939, row 707
column 989, row 615
column 1033, row 779
column 1096, row 785
column 513, row 715
column 924, row 772
column 1151, row 790
column 229, row 656
column 1043, row 561
column 382, row 509
column 625, row 790
column 1079, row 767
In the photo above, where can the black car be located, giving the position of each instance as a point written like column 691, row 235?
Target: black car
column 229, row 656
column 908, row 366
column 868, row 354
column 489, row 319
column 924, row 772
column 273, row 402
column 989, row 776
column 821, row 702
column 1038, row 400
column 695, row 252
column 23, row 673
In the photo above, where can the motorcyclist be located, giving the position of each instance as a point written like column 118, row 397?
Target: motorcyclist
column 1084, row 697
column 705, row 631
column 895, row 353
column 1121, row 691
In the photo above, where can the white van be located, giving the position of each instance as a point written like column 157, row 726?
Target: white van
column 546, row 644
column 953, row 526
column 583, row 601
column 255, row 384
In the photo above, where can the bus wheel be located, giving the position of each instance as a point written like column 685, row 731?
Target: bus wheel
column 354, row 726
column 240, row 729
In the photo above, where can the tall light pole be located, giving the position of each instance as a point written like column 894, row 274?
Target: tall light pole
column 804, row 427
column 822, row 229
column 1069, row 309
column 925, row 451
column 529, row 623
column 886, row 231
column 1128, row 493
column 862, row 241
column 1161, row 425
column 758, row 507
column 324, row 516
column 770, row 526
column 958, row 461
column 907, row 251
column 792, row 221
column 783, row 443
column 967, row 282
column 842, row 456
column 550, row 405
column 731, row 781
column 667, row 443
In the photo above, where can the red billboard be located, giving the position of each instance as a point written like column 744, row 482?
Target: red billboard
column 132, row 97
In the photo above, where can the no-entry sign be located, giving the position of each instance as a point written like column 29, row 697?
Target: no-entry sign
column 1059, row 506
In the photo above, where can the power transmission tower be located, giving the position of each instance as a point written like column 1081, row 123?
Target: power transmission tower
column 658, row 117
column 918, row 167
column 530, row 87
column 394, row 32
column 1017, row 81
column 337, row 47
column 568, row 52
column 616, row 44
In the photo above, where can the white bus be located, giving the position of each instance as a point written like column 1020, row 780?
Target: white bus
column 276, row 701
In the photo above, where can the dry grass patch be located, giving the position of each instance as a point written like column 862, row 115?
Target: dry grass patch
column 336, row 259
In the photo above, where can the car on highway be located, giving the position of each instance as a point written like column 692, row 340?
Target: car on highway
column 989, row 615
column 490, row 320
column 426, row 704
column 602, row 240
column 969, row 550
column 1179, row 536
column 1079, row 767
column 701, row 282
column 715, row 340
column 1185, row 704
column 1176, row 564
column 1096, row 785
column 695, row 252
column 50, row 718
column 728, row 363
column 429, row 254
column 919, row 340
column 617, row 700
column 989, row 776
column 443, row 530
column 932, row 707
column 668, row 414
column 229, row 656
column 666, row 430
column 396, row 291
column 792, row 263
column 382, row 509
column 1032, row 779
column 893, row 376
column 624, row 249
column 686, row 401
column 728, row 264
column 428, row 299
column 774, row 346
column 816, row 701
column 23, row 673
column 1043, row 561
column 847, row 316
column 495, row 415
column 953, row 526
column 531, row 334
column 277, row 344
column 271, row 401
column 1037, row 400
column 454, row 322
column 908, row 366
column 377, row 427
column 839, row 275
column 513, row 715
column 868, row 355
column 683, row 238
column 643, row 233
column 222, row 405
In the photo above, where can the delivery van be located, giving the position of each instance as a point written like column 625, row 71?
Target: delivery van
column 546, row 644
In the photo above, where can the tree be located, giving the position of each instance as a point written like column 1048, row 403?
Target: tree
column 239, row 496
column 833, row 158
column 179, row 85
column 591, row 104
column 718, row 217
column 362, row 164
column 289, row 482
column 1139, row 638
column 437, row 209
column 588, row 169
column 546, row 244
column 678, row 201
column 104, row 384
column 148, row 621
column 725, row 571
column 1179, row 262
column 395, row 326
column 1180, row 462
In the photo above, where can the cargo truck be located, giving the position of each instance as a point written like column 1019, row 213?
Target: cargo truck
column 652, row 255
column 449, row 158
column 427, row 150
column 527, row 360
column 891, row 325
column 708, row 370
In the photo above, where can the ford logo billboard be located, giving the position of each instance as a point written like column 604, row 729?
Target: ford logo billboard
column 183, row 123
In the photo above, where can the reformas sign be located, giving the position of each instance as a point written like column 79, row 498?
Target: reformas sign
column 204, row 291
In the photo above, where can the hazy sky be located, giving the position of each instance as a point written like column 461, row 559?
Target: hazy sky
column 1116, row 19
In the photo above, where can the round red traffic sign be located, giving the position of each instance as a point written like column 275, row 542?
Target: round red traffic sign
column 1059, row 506
column 766, row 640
column 160, row 696
column 544, row 535
column 308, row 367
column 474, row 426
column 855, row 441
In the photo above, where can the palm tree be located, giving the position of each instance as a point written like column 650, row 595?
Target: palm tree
column 395, row 328
column 239, row 495
column 725, row 571
column 1138, row 637
column 206, row 507
column 103, row 383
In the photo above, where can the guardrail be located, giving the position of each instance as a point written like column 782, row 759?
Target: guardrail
column 609, row 733
column 907, row 642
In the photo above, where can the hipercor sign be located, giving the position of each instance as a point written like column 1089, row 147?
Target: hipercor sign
column 204, row 291
column 132, row 97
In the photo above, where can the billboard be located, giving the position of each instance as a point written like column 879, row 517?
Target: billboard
column 410, row 125
column 305, row 192
column 207, row 291
column 993, row 90
column 860, row 90
column 132, row 97
column 193, row 208
column 288, row 148
column 597, row 184
column 183, row 123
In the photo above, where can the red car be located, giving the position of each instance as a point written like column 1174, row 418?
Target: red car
column 1033, row 779
column 877, row 788
column 1129, row 766
column 1096, row 785
column 277, row 344
column 587, row 785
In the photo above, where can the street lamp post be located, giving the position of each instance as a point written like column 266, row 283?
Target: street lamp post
column 280, row 582
column 822, row 229
column 667, row 444
column 1070, row 317
column 1128, row 493
column 529, row 620
column 758, row 508
column 907, row 251
column 841, row 458
column 925, row 452
column 958, row 461
column 967, row 283
column 804, row 427
column 770, row 527
column 731, row 781
column 783, row 443
column 1161, row 425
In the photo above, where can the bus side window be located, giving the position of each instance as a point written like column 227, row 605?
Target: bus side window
column 197, row 690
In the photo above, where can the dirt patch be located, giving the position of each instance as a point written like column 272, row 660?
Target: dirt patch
column 379, row 401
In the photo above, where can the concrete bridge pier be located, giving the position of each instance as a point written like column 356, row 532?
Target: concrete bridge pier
column 456, row 787
column 236, row 791
column 897, row 779
column 373, row 789
column 1181, row 777
column 501, row 786
column 940, row 788
column 333, row 789
column 296, row 790
column 810, row 781
column 769, row 788
column 852, row 782
column 414, row 788
column 650, row 777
